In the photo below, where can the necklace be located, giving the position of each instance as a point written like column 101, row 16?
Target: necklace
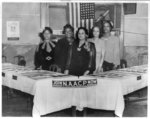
column 80, row 45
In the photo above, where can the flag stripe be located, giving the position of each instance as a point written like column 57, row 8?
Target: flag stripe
column 91, row 23
column 70, row 12
column 87, row 23
column 82, row 22
column 78, row 5
column 74, row 13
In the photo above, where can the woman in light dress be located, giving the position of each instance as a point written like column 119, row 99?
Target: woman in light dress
column 112, row 47
column 100, row 48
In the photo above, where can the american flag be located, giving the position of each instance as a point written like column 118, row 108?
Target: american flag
column 81, row 14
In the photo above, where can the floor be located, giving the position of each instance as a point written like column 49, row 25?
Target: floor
column 21, row 106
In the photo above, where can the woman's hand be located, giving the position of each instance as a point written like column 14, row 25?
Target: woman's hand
column 86, row 72
column 66, row 72
column 98, row 70
column 101, row 69
column 115, row 67
column 87, row 46
column 38, row 68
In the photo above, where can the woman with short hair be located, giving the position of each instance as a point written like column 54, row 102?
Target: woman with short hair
column 63, row 48
column 44, row 56
column 112, row 54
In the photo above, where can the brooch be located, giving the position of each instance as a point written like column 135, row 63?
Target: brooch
column 87, row 47
column 48, row 58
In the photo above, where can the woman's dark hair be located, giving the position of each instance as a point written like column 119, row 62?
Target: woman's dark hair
column 85, row 30
column 67, row 26
column 91, row 31
column 41, row 33
column 110, row 24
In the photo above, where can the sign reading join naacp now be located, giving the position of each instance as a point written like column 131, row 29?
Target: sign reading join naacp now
column 75, row 84
column 13, row 30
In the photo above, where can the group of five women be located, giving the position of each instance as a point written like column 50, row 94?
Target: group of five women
column 79, row 55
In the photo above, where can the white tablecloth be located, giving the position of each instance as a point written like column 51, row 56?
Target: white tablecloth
column 47, row 99
column 113, row 85
column 131, row 79
column 135, row 78
column 107, row 94
column 12, row 78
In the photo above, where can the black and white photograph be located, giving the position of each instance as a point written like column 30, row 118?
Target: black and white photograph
column 71, row 58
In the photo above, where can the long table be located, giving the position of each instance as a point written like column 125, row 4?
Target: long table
column 47, row 99
column 129, row 80
column 79, row 97
column 107, row 94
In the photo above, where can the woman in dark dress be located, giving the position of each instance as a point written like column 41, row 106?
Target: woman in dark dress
column 64, row 48
column 83, row 54
column 44, row 55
